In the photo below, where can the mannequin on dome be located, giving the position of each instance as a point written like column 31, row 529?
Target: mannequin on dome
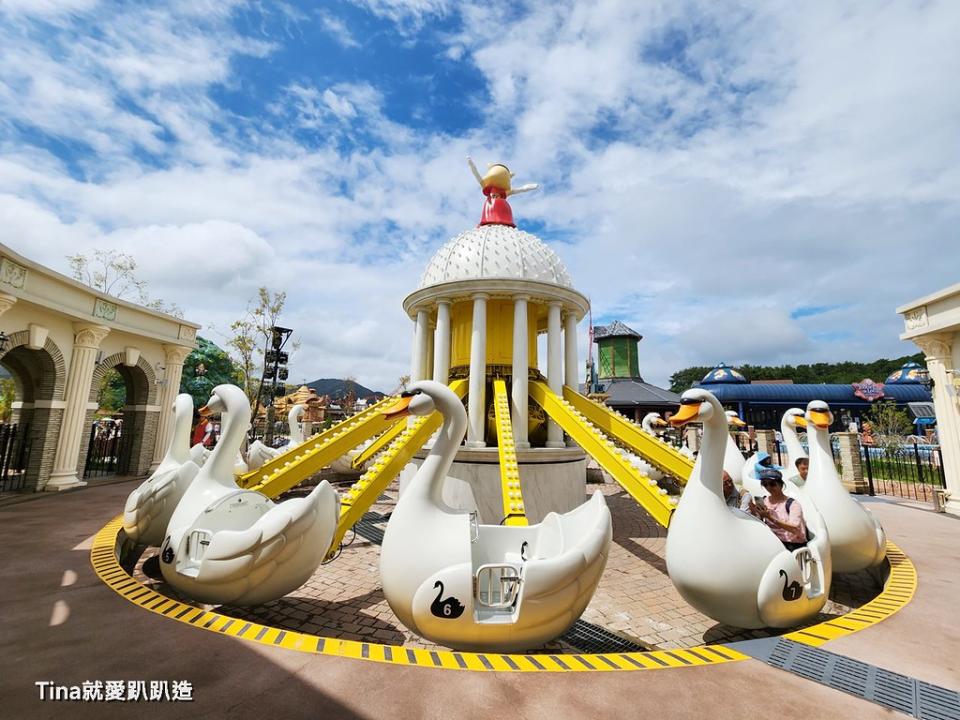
column 496, row 188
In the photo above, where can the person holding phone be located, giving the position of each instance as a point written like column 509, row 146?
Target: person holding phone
column 782, row 514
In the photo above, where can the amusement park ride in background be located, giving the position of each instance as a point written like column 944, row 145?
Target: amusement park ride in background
column 447, row 575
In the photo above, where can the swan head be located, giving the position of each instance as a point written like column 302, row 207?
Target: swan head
column 223, row 394
column 655, row 420
column 794, row 418
column 418, row 399
column 734, row 419
column 695, row 406
column 183, row 405
column 819, row 415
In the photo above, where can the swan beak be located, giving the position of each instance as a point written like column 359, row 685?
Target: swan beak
column 205, row 411
column 687, row 413
column 801, row 421
column 401, row 408
column 820, row 419
column 738, row 422
column 660, row 422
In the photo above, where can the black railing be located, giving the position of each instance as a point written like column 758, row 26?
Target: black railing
column 14, row 452
column 107, row 451
column 911, row 471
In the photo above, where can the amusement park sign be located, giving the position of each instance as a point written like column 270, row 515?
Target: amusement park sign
column 868, row 390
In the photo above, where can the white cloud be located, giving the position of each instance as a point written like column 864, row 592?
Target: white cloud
column 710, row 169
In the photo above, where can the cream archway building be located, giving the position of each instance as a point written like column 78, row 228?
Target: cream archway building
column 62, row 337
column 933, row 324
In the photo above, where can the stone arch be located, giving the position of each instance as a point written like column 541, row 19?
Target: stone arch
column 140, row 413
column 40, row 377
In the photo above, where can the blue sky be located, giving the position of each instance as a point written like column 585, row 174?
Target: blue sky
column 744, row 182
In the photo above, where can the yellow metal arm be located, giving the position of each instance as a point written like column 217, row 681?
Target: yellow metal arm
column 291, row 468
column 365, row 491
column 655, row 451
column 378, row 445
column 514, row 512
column 645, row 491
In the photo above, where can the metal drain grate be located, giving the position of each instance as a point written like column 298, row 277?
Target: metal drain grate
column 589, row 638
column 869, row 682
column 372, row 516
column 366, row 529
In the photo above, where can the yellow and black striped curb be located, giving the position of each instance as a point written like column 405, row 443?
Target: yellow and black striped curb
column 897, row 592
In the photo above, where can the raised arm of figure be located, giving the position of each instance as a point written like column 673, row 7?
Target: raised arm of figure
column 523, row 188
column 473, row 169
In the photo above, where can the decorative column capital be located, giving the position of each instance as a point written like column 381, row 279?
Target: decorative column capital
column 480, row 296
column 556, row 304
column 176, row 354
column 87, row 335
column 936, row 348
column 444, row 301
column 6, row 302
column 521, row 296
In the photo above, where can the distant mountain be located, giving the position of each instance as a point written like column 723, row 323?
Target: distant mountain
column 337, row 388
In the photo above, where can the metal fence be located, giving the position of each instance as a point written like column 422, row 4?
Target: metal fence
column 14, row 452
column 911, row 470
column 107, row 451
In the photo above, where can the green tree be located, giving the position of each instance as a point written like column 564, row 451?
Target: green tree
column 217, row 369
column 8, row 393
column 112, row 393
column 114, row 273
column 889, row 423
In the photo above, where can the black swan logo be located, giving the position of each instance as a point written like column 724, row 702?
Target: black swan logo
column 791, row 592
column 449, row 609
column 167, row 554
column 523, row 551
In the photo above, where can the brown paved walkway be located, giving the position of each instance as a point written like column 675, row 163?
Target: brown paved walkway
column 101, row 636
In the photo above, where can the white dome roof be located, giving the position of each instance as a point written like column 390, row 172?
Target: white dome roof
column 495, row 251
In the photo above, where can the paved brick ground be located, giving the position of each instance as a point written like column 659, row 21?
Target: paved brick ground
column 635, row 599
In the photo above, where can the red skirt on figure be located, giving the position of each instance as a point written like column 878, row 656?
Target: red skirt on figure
column 496, row 209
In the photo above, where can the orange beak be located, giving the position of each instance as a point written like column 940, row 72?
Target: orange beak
column 401, row 408
column 799, row 420
column 687, row 413
column 737, row 421
column 205, row 411
column 820, row 419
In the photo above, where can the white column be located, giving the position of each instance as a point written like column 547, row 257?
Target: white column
column 428, row 354
column 173, row 362
column 441, row 343
column 554, row 369
column 520, row 392
column 419, row 358
column 86, row 342
column 570, row 361
column 476, row 400
column 938, row 352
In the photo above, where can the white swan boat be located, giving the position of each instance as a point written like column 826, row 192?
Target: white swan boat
column 857, row 540
column 230, row 546
column 733, row 461
column 149, row 508
column 726, row 563
column 491, row 587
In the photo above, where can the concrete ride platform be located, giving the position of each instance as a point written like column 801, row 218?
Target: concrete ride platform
column 62, row 623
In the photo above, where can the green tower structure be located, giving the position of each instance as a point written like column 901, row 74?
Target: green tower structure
column 617, row 351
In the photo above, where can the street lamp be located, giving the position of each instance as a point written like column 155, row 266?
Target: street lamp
column 274, row 361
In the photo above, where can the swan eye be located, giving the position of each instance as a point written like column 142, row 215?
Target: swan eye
column 411, row 393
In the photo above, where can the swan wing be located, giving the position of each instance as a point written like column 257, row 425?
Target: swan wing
column 148, row 508
column 296, row 532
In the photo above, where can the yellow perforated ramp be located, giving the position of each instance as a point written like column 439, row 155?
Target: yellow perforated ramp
column 365, row 491
column 641, row 488
column 514, row 512
column 302, row 462
column 655, row 451
column 379, row 444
